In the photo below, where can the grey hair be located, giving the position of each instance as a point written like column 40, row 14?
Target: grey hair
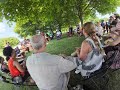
column 37, row 41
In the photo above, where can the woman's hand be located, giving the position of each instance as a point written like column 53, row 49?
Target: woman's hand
column 78, row 51
column 74, row 54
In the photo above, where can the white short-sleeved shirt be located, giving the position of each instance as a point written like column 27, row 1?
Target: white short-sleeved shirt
column 48, row 71
column 99, row 30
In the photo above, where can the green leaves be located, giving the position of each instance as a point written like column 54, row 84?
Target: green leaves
column 52, row 13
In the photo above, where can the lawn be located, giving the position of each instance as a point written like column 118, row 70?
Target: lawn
column 64, row 46
column 67, row 46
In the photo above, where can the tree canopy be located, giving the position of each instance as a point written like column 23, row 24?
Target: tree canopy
column 30, row 15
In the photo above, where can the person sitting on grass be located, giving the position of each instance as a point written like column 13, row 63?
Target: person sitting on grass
column 70, row 32
column 3, row 65
column 99, row 30
column 50, row 72
column 90, row 53
column 14, row 66
column 113, row 36
column 17, row 50
column 58, row 35
column 113, row 46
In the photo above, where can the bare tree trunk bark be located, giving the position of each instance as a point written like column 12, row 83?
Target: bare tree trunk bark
column 81, row 19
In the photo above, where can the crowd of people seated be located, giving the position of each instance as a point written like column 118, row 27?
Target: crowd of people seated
column 15, row 63
column 58, row 34
column 50, row 35
column 16, row 69
column 52, row 72
column 3, row 65
column 113, row 43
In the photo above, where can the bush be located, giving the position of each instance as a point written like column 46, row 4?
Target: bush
column 12, row 40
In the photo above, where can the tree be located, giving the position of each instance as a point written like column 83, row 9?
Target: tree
column 83, row 8
column 52, row 15
column 32, row 14
column 26, row 29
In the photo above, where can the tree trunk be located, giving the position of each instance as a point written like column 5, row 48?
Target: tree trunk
column 81, row 19
column 59, row 27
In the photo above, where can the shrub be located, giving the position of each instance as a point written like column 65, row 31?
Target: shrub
column 12, row 40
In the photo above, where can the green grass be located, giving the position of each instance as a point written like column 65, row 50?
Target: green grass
column 114, row 83
column 64, row 46
column 67, row 46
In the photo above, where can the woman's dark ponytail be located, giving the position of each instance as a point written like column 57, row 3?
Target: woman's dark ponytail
column 7, row 51
column 7, row 58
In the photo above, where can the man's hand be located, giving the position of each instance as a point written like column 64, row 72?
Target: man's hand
column 63, row 55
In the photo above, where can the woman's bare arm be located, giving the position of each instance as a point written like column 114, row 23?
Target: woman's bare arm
column 18, row 66
column 85, row 49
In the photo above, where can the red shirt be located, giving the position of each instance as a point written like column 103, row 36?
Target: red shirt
column 13, row 70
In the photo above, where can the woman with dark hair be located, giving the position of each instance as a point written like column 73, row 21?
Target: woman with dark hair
column 15, row 68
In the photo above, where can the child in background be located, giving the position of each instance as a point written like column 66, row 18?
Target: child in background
column 3, row 65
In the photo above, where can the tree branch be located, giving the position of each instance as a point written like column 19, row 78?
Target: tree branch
column 92, row 8
column 79, row 10
column 87, row 5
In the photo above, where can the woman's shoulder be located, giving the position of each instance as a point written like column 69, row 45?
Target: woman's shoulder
column 16, row 63
column 85, row 44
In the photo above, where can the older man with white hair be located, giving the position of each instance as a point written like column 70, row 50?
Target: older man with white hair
column 48, row 71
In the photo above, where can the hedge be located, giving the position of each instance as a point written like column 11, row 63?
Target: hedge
column 12, row 40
